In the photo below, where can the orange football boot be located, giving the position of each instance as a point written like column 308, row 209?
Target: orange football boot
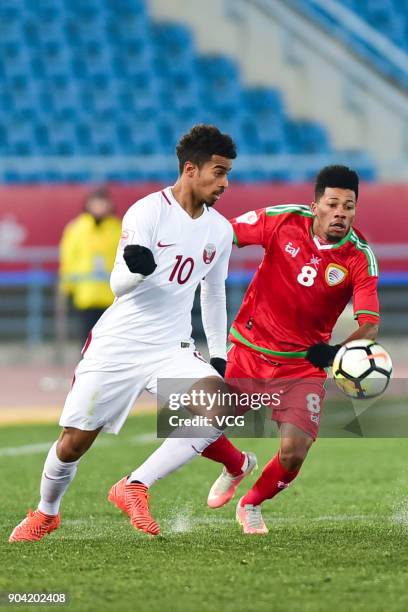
column 133, row 499
column 35, row 526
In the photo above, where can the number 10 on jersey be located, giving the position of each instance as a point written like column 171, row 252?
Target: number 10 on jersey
column 183, row 269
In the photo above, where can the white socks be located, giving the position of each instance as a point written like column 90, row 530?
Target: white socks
column 172, row 454
column 56, row 478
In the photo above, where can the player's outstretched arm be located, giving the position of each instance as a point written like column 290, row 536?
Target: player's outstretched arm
column 368, row 331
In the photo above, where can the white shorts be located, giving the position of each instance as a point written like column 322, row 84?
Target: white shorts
column 103, row 393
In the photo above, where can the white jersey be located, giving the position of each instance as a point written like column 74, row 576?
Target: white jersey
column 158, row 310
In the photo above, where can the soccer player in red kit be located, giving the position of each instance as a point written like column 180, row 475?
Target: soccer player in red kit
column 314, row 262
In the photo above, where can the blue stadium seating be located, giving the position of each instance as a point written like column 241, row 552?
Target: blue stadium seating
column 388, row 17
column 101, row 78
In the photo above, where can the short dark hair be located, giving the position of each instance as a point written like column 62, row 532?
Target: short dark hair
column 201, row 143
column 336, row 176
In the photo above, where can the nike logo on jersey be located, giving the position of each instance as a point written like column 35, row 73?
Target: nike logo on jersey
column 159, row 244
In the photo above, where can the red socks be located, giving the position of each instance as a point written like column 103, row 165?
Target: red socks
column 224, row 452
column 273, row 480
column 274, row 477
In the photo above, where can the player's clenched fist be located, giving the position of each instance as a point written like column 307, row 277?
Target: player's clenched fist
column 322, row 354
column 219, row 364
column 139, row 259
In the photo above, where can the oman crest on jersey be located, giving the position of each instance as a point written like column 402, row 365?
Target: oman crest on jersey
column 335, row 274
column 209, row 253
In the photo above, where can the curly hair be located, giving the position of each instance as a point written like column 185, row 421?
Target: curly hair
column 336, row 176
column 201, row 143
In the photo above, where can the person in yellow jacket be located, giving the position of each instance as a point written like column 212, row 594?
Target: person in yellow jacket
column 87, row 254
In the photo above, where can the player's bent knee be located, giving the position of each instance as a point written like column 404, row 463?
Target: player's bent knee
column 73, row 443
column 292, row 458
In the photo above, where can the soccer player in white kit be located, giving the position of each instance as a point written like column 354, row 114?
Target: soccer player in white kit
column 171, row 241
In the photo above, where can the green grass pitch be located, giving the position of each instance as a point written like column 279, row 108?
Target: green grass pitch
column 338, row 536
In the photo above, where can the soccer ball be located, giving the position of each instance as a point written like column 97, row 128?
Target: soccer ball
column 362, row 369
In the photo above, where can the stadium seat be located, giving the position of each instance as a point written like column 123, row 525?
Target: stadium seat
column 219, row 82
column 19, row 137
column 180, row 92
column 173, row 44
column 83, row 138
column 137, row 7
column 141, row 98
column 104, row 138
column 260, row 99
column 61, row 137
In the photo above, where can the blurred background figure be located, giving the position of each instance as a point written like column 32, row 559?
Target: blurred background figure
column 87, row 254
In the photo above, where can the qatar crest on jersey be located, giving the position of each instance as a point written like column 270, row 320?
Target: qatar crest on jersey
column 209, row 253
column 335, row 274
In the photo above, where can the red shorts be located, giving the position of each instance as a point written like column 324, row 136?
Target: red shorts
column 297, row 385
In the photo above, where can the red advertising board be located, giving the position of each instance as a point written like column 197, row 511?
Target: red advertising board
column 34, row 216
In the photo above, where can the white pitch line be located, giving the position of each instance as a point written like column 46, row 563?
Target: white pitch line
column 205, row 521
column 91, row 530
column 41, row 447
column 286, row 519
column 28, row 449
column 144, row 438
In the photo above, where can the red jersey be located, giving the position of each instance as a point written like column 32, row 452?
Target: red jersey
column 302, row 285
